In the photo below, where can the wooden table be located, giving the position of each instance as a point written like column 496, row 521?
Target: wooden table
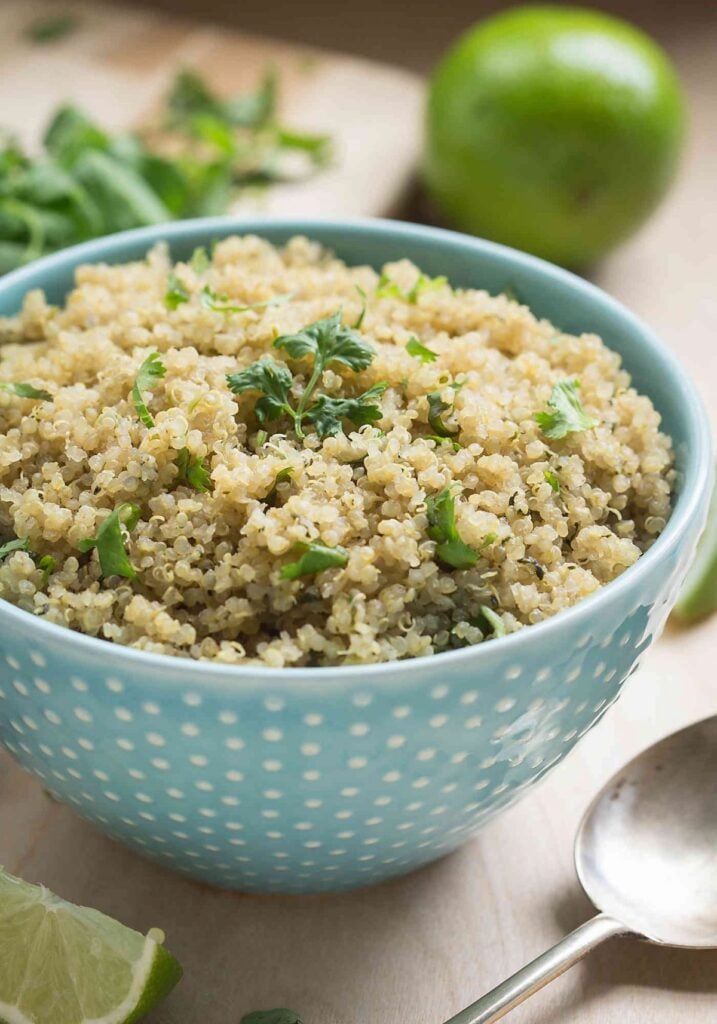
column 420, row 948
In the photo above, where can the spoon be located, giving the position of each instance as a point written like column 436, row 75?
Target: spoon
column 646, row 855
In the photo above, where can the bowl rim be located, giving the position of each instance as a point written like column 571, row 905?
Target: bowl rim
column 692, row 500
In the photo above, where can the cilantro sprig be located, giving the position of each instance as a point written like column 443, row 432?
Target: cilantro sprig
column 325, row 342
column 24, row 390
column 565, row 414
column 217, row 303
column 436, row 407
column 314, row 558
column 110, row 541
column 441, row 513
column 148, row 376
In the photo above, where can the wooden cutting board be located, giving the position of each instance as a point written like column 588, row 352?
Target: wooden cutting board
column 118, row 62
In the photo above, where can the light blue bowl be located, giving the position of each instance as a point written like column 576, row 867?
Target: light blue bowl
column 302, row 780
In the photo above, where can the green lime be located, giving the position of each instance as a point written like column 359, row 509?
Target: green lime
column 62, row 964
column 553, row 129
column 698, row 597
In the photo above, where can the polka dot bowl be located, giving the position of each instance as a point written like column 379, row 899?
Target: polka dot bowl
column 304, row 780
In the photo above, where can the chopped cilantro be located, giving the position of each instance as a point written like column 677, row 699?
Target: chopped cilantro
column 200, row 262
column 48, row 565
column 49, row 30
column 456, row 445
column 387, row 288
column 436, row 406
column 221, row 304
column 441, row 513
column 552, row 480
column 110, row 542
column 360, row 319
column 314, row 558
column 494, row 621
column 24, row 390
column 419, row 351
column 176, row 292
column 150, row 372
column 283, row 475
column 14, row 545
column 566, row 415
column 193, row 471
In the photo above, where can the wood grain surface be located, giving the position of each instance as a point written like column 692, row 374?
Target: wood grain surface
column 420, row 948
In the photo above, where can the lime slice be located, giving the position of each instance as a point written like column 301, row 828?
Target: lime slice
column 62, row 964
column 698, row 597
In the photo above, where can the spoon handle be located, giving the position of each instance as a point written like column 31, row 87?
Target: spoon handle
column 539, row 972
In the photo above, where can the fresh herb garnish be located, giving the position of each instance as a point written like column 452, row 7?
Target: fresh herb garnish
column 441, row 513
column 271, row 1017
column 436, row 406
column 494, row 621
column 176, row 292
column 14, row 545
column 193, row 471
column 200, row 262
column 149, row 374
column 387, row 288
column 48, row 565
column 209, row 299
column 273, row 380
column 314, row 558
column 552, row 480
column 419, row 351
column 281, row 476
column 23, row 390
column 360, row 318
column 49, row 30
column 327, row 413
column 110, row 542
column 456, row 445
column 566, row 415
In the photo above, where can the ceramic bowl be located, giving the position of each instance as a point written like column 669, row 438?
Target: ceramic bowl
column 300, row 780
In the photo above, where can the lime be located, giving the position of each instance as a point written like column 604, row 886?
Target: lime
column 552, row 129
column 698, row 597
column 62, row 964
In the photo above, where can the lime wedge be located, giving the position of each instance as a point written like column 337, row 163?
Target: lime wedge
column 698, row 597
column 62, row 964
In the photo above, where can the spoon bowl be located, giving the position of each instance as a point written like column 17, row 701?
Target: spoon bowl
column 646, row 851
column 646, row 855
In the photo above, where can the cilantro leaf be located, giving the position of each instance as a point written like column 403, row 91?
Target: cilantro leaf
column 23, row 390
column 14, row 545
column 273, row 380
column 327, row 413
column 328, row 341
column 209, row 299
column 149, row 374
column 200, row 262
column 314, row 558
column 176, row 293
column 48, row 565
column 419, row 351
column 192, row 470
column 441, row 513
column 386, row 288
column 552, row 480
column 566, row 415
column 494, row 621
column 283, row 475
column 360, row 318
column 110, row 542
column 436, row 406
column 271, row 1017
column 445, row 440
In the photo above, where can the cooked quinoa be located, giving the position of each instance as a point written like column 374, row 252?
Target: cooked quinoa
column 545, row 521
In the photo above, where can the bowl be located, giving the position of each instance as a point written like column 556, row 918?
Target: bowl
column 302, row 780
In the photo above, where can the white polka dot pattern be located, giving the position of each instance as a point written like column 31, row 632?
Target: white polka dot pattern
column 297, row 788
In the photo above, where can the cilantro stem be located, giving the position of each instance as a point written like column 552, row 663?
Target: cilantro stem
column 304, row 400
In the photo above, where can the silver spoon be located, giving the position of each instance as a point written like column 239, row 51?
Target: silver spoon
column 646, row 855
